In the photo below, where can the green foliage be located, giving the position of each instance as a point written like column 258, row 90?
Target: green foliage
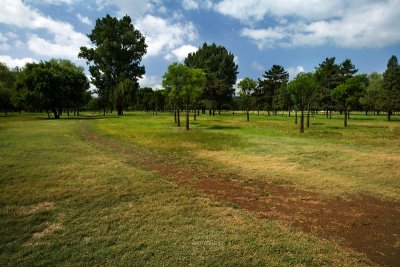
column 117, row 54
column 273, row 80
column 391, row 87
column 221, row 70
column 303, row 89
column 328, row 78
column 122, row 94
column 348, row 94
column 55, row 84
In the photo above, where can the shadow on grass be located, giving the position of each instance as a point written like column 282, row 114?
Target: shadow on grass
column 221, row 127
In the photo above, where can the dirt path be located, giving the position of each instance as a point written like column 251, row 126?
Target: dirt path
column 364, row 223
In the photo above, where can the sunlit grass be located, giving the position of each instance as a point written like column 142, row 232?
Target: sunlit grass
column 328, row 158
column 66, row 201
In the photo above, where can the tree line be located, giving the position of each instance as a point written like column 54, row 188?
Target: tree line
column 203, row 82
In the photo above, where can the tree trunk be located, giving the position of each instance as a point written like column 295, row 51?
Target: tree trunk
column 179, row 118
column 330, row 114
column 104, row 111
column 175, row 115
column 326, row 114
column 289, row 111
column 308, row 118
column 295, row 116
column 187, row 117
column 247, row 111
column 388, row 115
column 194, row 114
column 345, row 118
column 120, row 110
column 302, row 121
column 348, row 115
column 213, row 112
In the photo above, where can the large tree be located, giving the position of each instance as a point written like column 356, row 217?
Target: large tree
column 274, row 78
column 54, row 84
column 221, row 70
column 348, row 94
column 391, row 87
column 303, row 89
column 116, row 56
column 328, row 76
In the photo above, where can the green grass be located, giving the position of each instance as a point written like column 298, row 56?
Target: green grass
column 328, row 158
column 67, row 201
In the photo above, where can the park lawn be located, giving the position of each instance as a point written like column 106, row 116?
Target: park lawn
column 66, row 201
column 328, row 159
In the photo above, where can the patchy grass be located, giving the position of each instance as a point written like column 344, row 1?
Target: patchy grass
column 64, row 201
column 328, row 158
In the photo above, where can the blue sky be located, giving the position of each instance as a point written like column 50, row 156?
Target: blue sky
column 296, row 34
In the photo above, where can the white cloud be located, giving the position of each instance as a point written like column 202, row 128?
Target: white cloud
column 181, row 53
column 257, row 10
column 236, row 60
column 196, row 4
column 256, row 66
column 66, row 41
column 163, row 36
column 151, row 81
column 374, row 24
column 84, row 20
column 51, row 2
column 293, row 71
column 15, row 62
column 190, row 4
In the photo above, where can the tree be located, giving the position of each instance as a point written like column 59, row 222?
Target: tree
column 348, row 94
column 117, row 54
column 371, row 99
column 247, row 87
column 184, row 86
column 391, row 87
column 274, row 78
column 303, row 89
column 328, row 77
column 52, row 83
column 221, row 70
column 347, row 70
column 193, row 89
column 7, row 83
column 122, row 96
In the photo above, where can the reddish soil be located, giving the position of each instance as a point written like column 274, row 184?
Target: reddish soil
column 365, row 223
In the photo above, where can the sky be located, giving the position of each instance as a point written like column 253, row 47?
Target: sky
column 297, row 34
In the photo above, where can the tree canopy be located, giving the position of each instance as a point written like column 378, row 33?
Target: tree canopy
column 116, row 56
column 221, row 70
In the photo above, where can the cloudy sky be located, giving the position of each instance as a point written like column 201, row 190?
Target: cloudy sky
column 296, row 34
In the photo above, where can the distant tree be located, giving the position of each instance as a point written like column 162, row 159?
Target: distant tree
column 117, row 53
column 173, row 81
column 391, row 87
column 184, row 85
column 349, row 93
column 328, row 77
column 221, row 71
column 371, row 99
column 347, row 70
column 303, row 89
column 274, row 78
column 7, row 86
column 52, row 83
column 247, row 87
column 194, row 86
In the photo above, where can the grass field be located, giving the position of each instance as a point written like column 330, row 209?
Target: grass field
column 85, row 191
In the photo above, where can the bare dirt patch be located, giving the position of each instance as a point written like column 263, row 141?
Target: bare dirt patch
column 365, row 223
